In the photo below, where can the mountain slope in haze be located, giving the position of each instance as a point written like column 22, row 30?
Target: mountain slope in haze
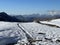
column 20, row 17
column 5, row 17
column 42, row 17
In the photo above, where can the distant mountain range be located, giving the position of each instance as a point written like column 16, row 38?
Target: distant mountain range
column 27, row 18
column 34, row 17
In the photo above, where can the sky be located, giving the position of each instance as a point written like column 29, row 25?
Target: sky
column 28, row 6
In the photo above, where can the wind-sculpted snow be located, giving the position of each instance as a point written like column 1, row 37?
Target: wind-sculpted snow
column 26, row 33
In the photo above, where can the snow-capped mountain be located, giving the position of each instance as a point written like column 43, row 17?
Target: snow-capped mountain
column 52, row 22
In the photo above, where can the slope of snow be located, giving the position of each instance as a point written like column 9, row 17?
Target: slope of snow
column 11, row 33
column 35, row 28
column 56, row 21
column 53, row 22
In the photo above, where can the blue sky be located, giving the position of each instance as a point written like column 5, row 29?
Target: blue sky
column 28, row 6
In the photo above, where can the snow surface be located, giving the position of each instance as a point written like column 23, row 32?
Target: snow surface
column 53, row 22
column 12, row 33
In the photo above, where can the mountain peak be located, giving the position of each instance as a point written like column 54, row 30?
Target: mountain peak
column 3, row 13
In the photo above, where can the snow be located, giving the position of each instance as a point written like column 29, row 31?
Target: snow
column 35, row 28
column 12, row 33
column 53, row 22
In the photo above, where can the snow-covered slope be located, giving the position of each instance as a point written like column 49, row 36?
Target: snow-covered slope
column 12, row 32
column 53, row 22
column 35, row 28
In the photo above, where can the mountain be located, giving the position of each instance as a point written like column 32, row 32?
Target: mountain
column 27, row 18
column 5, row 17
column 20, row 18
column 40, row 17
column 32, row 17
